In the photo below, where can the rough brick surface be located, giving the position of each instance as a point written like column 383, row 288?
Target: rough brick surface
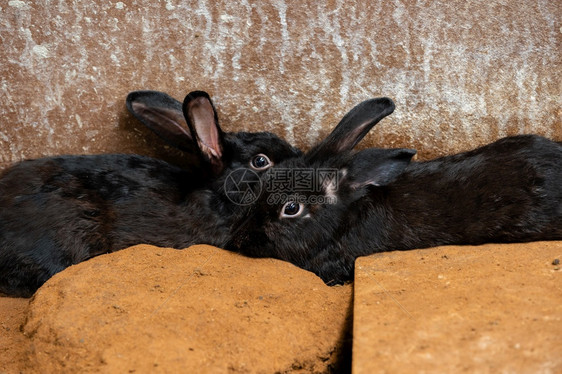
column 485, row 309
column 198, row 310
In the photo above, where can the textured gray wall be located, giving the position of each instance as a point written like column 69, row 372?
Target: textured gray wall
column 462, row 73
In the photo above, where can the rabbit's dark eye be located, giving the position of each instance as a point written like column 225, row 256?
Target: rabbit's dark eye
column 260, row 162
column 291, row 209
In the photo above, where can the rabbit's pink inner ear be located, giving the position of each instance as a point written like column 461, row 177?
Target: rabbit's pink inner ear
column 353, row 127
column 350, row 140
column 203, row 119
column 337, row 142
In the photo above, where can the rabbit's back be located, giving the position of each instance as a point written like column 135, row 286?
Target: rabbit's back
column 59, row 211
column 509, row 190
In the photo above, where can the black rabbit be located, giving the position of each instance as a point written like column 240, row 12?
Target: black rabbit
column 59, row 211
column 324, row 209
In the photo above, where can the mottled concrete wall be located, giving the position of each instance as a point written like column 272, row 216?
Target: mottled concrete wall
column 462, row 73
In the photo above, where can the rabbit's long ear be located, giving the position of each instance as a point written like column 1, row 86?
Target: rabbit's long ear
column 378, row 167
column 203, row 123
column 352, row 127
column 163, row 115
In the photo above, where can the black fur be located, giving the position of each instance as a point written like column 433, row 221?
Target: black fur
column 59, row 211
column 507, row 191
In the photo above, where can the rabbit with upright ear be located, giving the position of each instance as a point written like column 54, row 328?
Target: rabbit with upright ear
column 378, row 200
column 59, row 211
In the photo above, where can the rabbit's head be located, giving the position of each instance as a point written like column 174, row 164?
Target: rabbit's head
column 193, row 126
column 236, row 160
column 306, row 201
